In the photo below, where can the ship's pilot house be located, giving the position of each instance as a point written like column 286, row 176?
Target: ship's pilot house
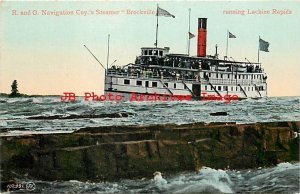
column 158, row 52
column 152, row 55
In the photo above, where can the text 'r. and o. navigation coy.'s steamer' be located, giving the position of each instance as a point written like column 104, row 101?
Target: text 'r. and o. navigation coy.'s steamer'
column 157, row 71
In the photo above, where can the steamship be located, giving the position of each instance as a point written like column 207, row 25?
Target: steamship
column 157, row 71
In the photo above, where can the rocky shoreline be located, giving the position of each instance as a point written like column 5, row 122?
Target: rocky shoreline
column 113, row 153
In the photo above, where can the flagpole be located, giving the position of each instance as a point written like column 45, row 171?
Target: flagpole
column 227, row 45
column 258, row 49
column 189, row 43
column 156, row 26
column 107, row 60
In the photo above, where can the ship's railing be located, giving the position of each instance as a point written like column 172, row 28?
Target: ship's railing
column 136, row 75
column 163, row 78
column 179, row 79
column 233, row 81
column 114, row 72
column 147, row 76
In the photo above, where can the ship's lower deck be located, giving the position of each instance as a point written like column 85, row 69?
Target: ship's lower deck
column 131, row 88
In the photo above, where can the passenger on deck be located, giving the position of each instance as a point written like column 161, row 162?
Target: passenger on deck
column 206, row 76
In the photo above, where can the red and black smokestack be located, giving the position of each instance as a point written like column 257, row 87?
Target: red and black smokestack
column 201, row 47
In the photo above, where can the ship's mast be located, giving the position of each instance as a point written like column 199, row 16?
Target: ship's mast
column 227, row 35
column 107, row 60
column 258, row 49
column 189, row 40
column 156, row 26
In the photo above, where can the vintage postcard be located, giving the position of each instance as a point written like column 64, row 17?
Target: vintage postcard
column 149, row 96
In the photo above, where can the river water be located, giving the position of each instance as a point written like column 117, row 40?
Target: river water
column 20, row 115
column 49, row 115
column 283, row 178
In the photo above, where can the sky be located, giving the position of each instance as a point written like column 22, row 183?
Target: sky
column 45, row 53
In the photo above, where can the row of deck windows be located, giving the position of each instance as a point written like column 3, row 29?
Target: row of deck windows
column 153, row 52
column 235, row 76
column 225, row 88
column 219, row 88
column 140, row 83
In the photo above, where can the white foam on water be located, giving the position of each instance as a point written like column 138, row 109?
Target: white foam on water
column 74, row 181
column 206, row 180
column 14, row 100
column 3, row 112
column 218, row 179
column 22, row 133
column 274, row 179
column 281, row 167
column 159, row 181
column 284, row 165
column 3, row 123
column 37, row 100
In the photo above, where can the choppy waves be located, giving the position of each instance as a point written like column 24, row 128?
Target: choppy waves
column 283, row 178
column 18, row 114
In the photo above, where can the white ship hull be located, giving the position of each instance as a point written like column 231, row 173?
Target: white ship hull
column 130, row 87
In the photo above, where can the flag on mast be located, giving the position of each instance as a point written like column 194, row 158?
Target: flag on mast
column 162, row 12
column 191, row 35
column 263, row 45
column 230, row 35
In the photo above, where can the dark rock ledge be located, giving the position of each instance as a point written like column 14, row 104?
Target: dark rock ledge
column 112, row 153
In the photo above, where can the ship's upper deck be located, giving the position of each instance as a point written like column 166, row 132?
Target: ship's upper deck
column 158, row 63
column 153, row 57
